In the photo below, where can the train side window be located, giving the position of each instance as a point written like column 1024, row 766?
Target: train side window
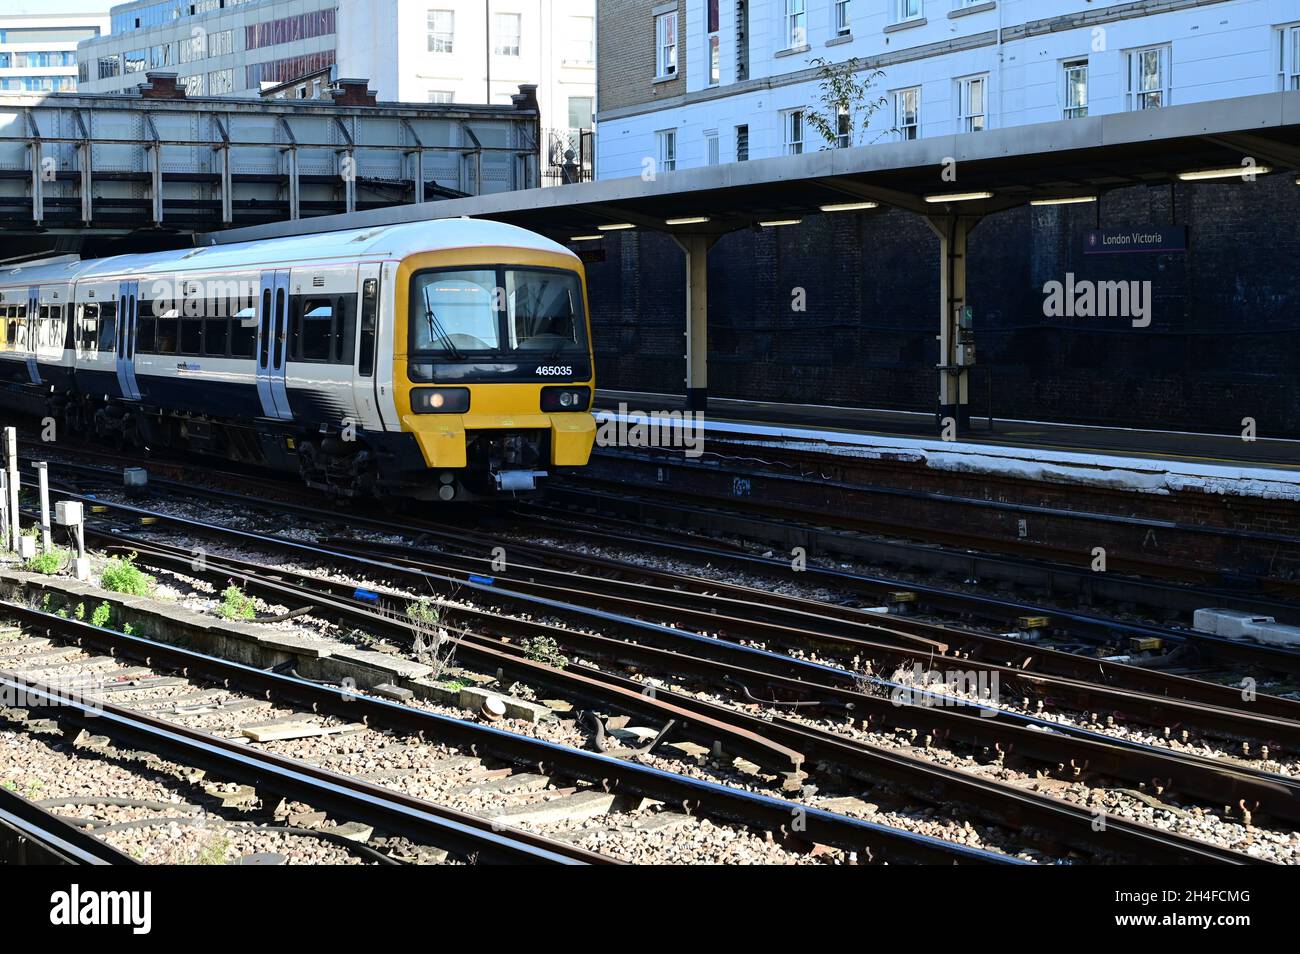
column 369, row 309
column 280, row 322
column 11, row 327
column 216, row 336
column 243, row 334
column 108, row 326
column 67, row 326
column 146, row 328
column 42, row 336
column 266, row 328
column 345, row 328
column 165, row 342
column 191, row 335
column 315, row 327
column 89, row 327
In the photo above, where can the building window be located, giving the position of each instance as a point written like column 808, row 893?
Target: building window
column 193, row 84
column 110, row 65
column 221, row 82
column 134, row 62
column 905, row 10
column 742, row 40
column 667, row 150
column 843, row 18
column 582, row 41
column 443, row 96
column 1149, row 78
column 221, row 43
column 665, row 45
column 843, row 129
column 507, row 28
column 792, row 123
column 742, row 143
column 796, row 23
column 580, row 112
column 1289, row 56
column 715, row 44
column 442, row 31
column 712, row 151
column 1076, row 88
column 907, row 112
column 971, row 103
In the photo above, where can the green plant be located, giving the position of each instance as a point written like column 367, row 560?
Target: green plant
column 432, row 644
column 214, row 851
column 80, row 611
column 545, row 650
column 424, row 613
column 846, row 101
column 103, row 613
column 128, row 629
column 121, row 575
column 236, row 604
column 49, row 562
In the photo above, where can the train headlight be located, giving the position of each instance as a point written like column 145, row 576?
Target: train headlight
column 565, row 399
column 440, row 400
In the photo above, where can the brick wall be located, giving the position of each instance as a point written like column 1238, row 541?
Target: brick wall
column 1222, row 344
column 625, row 64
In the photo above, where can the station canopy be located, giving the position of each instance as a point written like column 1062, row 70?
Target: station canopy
column 986, row 172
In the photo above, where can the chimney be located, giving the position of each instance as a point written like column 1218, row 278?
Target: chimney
column 353, row 92
column 161, row 86
column 526, row 98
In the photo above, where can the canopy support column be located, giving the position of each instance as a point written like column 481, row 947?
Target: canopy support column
column 956, row 326
column 697, row 248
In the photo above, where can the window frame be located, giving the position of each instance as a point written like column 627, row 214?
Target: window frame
column 1074, row 65
column 795, row 23
column 666, row 51
column 1134, row 95
column 898, row 11
column 790, row 146
column 1288, row 63
column 915, row 125
column 664, row 139
column 968, row 119
column 437, row 38
column 498, row 49
column 842, row 17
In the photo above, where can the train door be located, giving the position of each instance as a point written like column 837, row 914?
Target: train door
column 364, row 379
column 33, row 323
column 128, row 308
column 272, row 343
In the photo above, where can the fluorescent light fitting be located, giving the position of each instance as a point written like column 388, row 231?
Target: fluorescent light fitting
column 1232, row 172
column 1064, row 200
column 586, row 238
column 958, row 197
column 616, row 227
column 773, row 223
column 849, row 206
column 689, row 220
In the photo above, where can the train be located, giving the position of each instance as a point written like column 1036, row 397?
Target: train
column 443, row 360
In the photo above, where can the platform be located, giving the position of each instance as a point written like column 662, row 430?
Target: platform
column 1142, row 460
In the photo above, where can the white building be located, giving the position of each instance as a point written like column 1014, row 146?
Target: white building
column 38, row 53
column 440, row 51
column 949, row 66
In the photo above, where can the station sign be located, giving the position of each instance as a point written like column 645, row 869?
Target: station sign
column 1147, row 238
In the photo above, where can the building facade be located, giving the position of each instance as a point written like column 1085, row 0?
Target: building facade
column 38, row 53
column 694, row 82
column 439, row 51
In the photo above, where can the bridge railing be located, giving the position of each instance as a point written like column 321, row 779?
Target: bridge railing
column 126, row 162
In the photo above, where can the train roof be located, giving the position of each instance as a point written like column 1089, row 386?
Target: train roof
column 388, row 241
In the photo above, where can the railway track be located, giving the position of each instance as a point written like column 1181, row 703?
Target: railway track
column 1207, row 780
column 513, row 792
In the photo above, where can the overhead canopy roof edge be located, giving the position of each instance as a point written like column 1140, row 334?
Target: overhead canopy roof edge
column 1017, row 164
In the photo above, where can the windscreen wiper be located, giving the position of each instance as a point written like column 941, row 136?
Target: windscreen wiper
column 435, row 327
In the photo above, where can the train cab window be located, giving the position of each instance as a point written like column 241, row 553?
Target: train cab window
column 369, row 309
column 191, row 335
column 243, row 333
column 108, row 326
column 165, row 342
column 89, row 327
column 315, row 330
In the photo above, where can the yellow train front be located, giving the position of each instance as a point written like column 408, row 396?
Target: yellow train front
column 492, row 366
